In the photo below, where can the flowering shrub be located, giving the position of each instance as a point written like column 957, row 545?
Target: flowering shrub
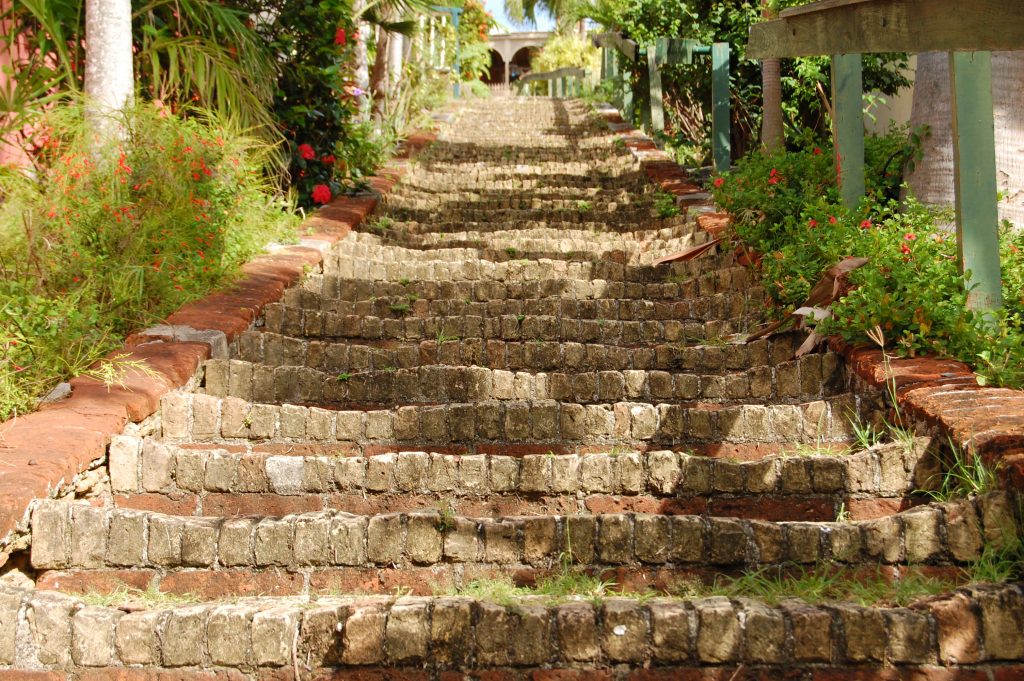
column 475, row 24
column 102, row 243
column 317, row 99
column 786, row 207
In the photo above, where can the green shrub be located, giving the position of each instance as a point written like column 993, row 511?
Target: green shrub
column 786, row 207
column 101, row 243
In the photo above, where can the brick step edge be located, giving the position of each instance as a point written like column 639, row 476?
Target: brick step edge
column 46, row 630
column 45, row 450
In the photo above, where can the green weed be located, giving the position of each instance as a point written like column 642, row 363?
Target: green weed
column 665, row 205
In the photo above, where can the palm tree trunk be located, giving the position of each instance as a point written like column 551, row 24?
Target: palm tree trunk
column 379, row 73
column 773, row 136
column 362, row 70
column 109, row 81
column 931, row 180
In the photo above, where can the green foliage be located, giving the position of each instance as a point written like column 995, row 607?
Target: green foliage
column 187, row 52
column 98, row 245
column 963, row 475
column 316, row 102
column 475, row 23
column 665, row 205
column 687, row 88
column 831, row 583
column 786, row 207
column 562, row 51
column 1001, row 561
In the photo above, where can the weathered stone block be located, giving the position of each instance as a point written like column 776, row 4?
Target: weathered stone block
column 577, row 632
column 229, row 635
column 718, row 630
column 625, row 631
column 184, row 635
column 273, row 633
column 385, row 539
column 137, row 637
column 92, row 636
column 363, row 636
column 407, row 634
column 348, row 540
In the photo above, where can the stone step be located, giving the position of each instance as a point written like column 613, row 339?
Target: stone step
column 379, row 637
column 192, row 479
column 773, row 355
column 429, row 384
column 408, row 304
column 707, row 324
column 398, row 265
column 76, row 537
column 530, row 426
column 333, row 286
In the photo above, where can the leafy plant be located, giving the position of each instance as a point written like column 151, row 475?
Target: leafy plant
column 94, row 247
column 963, row 475
column 665, row 205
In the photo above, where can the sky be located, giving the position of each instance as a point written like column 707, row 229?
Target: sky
column 497, row 8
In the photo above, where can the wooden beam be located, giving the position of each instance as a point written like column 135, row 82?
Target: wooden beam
column 974, row 163
column 855, row 26
column 566, row 72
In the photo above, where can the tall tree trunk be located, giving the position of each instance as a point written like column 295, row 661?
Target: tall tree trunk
column 109, row 82
column 773, row 136
column 931, row 182
column 362, row 70
column 396, row 55
column 379, row 73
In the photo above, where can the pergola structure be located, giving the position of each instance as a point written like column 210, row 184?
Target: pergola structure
column 969, row 30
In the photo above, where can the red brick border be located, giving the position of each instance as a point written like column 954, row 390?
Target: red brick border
column 46, row 449
column 940, row 392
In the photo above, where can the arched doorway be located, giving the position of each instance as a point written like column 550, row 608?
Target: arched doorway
column 496, row 74
column 520, row 63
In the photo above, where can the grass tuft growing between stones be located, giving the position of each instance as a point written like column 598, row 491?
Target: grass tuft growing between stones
column 823, row 583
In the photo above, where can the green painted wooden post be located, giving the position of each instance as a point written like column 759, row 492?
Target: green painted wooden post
column 616, row 61
column 974, row 163
column 848, row 100
column 627, row 91
column 604, row 63
column 721, row 123
column 564, row 87
column 643, row 94
column 657, row 107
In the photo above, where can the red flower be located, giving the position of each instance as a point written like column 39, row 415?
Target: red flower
column 832, row 219
column 774, row 177
column 339, row 36
column 904, row 249
column 812, row 223
column 306, row 152
column 321, row 193
column 328, row 160
column 817, row 151
column 865, row 224
column 910, row 236
column 719, row 181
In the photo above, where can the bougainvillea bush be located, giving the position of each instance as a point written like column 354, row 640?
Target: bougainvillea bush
column 785, row 206
column 106, row 240
column 317, row 100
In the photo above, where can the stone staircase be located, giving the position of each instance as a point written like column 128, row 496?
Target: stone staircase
column 489, row 387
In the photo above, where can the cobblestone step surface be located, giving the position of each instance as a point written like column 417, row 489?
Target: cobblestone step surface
column 488, row 388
